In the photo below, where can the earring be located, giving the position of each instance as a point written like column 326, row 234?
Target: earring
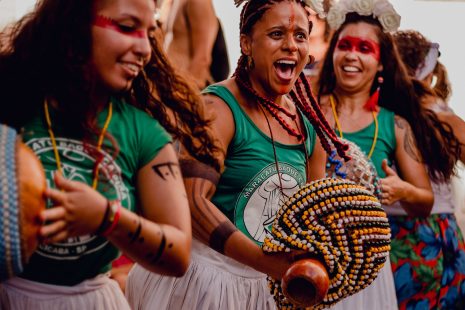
column 311, row 59
column 372, row 103
column 250, row 63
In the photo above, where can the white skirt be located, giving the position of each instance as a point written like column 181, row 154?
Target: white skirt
column 379, row 295
column 100, row 293
column 213, row 281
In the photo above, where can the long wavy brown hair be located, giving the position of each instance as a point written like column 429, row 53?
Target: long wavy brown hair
column 46, row 54
column 401, row 94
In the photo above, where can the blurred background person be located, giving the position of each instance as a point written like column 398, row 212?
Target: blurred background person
column 428, row 256
column 319, row 41
column 194, row 40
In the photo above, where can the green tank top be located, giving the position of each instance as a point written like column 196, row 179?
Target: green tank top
column 249, row 192
column 139, row 139
column 385, row 144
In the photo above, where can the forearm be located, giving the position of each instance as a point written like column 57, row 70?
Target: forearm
column 417, row 201
column 159, row 248
column 214, row 229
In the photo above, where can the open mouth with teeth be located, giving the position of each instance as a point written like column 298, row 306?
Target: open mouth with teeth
column 350, row 69
column 285, row 69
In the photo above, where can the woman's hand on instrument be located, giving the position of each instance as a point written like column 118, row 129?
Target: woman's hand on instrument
column 276, row 264
column 78, row 210
column 392, row 186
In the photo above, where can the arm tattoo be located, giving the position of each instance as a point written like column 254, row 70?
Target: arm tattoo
column 161, row 247
column 204, row 219
column 165, row 170
column 194, row 169
column 409, row 139
column 220, row 235
column 136, row 235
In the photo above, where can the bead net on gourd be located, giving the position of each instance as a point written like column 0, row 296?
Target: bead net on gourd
column 340, row 223
column 359, row 168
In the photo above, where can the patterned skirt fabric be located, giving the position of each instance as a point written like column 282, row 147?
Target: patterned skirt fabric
column 428, row 262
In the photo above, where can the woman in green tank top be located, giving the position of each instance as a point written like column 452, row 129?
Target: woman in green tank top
column 368, row 97
column 90, row 88
column 360, row 59
column 272, row 142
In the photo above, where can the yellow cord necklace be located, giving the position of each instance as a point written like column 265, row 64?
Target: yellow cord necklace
column 99, row 143
column 336, row 119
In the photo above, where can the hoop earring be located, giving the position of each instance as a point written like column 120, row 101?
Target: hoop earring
column 311, row 59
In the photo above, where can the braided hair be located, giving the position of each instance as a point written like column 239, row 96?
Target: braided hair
column 301, row 94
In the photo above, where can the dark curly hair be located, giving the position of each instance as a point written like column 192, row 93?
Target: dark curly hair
column 47, row 54
column 402, row 95
column 413, row 48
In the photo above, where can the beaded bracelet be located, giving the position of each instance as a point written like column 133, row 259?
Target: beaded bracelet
column 113, row 216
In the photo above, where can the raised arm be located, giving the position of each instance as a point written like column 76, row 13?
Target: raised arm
column 204, row 28
column 413, row 187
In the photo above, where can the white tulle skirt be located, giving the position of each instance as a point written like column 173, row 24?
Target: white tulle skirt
column 380, row 295
column 213, row 281
column 94, row 294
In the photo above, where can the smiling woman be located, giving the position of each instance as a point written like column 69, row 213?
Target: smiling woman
column 99, row 89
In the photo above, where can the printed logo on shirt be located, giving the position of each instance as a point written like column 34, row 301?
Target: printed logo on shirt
column 261, row 199
column 77, row 165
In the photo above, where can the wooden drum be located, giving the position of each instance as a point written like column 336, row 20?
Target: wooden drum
column 343, row 233
column 22, row 189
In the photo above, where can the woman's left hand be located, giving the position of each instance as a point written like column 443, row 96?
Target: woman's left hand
column 78, row 210
column 392, row 187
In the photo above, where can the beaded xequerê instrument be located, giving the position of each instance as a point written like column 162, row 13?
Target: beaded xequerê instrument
column 343, row 227
column 22, row 189
column 359, row 168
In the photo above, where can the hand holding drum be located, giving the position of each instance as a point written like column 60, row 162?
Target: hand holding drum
column 22, row 199
column 346, row 234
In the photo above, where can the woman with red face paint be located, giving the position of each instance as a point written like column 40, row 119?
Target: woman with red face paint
column 90, row 89
column 264, row 126
column 432, row 274
column 366, row 93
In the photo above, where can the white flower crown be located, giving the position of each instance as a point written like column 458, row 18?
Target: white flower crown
column 380, row 9
column 315, row 5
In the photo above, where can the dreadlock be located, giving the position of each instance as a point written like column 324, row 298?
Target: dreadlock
column 251, row 13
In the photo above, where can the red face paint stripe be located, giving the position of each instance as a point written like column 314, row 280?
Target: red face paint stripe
column 109, row 23
column 364, row 46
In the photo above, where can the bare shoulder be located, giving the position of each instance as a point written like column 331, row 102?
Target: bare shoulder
column 216, row 105
column 451, row 118
column 222, row 117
